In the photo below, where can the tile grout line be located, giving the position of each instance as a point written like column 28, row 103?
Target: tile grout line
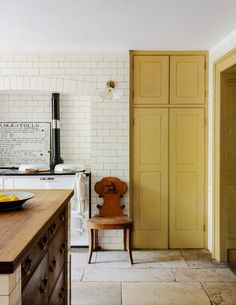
column 82, row 277
column 206, row 292
column 181, row 251
column 172, row 272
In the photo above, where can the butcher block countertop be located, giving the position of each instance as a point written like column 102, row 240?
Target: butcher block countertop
column 18, row 228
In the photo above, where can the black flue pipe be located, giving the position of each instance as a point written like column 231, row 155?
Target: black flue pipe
column 55, row 143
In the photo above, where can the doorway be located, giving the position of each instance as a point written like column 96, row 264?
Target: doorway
column 224, row 241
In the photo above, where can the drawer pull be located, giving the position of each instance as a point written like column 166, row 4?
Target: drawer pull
column 44, row 285
column 43, row 242
column 53, row 265
column 62, row 248
column 53, row 228
column 62, row 216
column 62, row 293
column 26, row 266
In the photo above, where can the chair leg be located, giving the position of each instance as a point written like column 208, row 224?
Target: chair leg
column 125, row 240
column 95, row 242
column 91, row 241
column 129, row 237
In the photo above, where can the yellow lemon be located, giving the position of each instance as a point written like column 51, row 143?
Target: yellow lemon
column 13, row 198
column 3, row 199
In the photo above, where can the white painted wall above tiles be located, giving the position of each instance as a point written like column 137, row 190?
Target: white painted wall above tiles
column 93, row 131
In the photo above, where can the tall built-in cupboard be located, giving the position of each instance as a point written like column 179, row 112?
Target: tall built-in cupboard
column 168, row 148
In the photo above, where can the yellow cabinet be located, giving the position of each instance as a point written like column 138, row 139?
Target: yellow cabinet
column 168, row 149
column 151, row 80
column 150, row 178
column 168, row 180
column 187, row 79
column 187, row 178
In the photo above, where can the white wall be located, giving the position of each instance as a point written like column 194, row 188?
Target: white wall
column 222, row 47
column 93, row 131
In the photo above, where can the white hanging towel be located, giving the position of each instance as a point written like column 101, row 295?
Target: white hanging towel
column 80, row 200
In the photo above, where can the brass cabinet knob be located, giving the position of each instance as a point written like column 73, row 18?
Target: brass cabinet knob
column 44, row 285
column 26, row 266
column 53, row 265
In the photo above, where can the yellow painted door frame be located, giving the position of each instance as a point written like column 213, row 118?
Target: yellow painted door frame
column 219, row 219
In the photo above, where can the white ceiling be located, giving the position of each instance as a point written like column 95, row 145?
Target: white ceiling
column 114, row 25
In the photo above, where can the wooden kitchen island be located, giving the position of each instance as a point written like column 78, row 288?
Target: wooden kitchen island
column 34, row 250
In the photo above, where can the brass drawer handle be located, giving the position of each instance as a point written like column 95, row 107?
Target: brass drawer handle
column 44, row 285
column 53, row 228
column 62, row 293
column 26, row 266
column 43, row 242
column 62, row 216
column 53, row 265
column 62, row 248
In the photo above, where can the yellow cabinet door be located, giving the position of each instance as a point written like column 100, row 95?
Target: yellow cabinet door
column 187, row 178
column 151, row 80
column 187, row 79
column 150, row 178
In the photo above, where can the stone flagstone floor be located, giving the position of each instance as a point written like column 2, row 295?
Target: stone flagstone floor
column 164, row 277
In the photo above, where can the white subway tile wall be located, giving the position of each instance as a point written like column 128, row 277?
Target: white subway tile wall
column 10, row 288
column 93, row 131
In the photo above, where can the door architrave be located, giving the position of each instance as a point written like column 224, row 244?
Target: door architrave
column 219, row 242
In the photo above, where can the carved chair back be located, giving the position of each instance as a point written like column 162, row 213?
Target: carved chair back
column 111, row 189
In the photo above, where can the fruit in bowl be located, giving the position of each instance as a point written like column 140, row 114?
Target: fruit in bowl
column 13, row 200
column 4, row 198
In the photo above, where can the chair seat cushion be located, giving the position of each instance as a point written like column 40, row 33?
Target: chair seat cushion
column 115, row 222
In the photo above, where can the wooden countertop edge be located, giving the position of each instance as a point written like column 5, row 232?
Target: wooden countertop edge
column 9, row 267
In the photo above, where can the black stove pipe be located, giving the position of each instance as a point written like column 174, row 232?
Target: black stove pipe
column 55, row 143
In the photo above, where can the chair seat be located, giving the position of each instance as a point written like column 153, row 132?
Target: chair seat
column 114, row 222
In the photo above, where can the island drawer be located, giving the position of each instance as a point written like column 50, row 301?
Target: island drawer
column 58, row 220
column 58, row 296
column 33, row 254
column 36, row 291
column 56, row 256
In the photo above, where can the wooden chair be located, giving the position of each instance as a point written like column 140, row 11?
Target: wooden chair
column 110, row 215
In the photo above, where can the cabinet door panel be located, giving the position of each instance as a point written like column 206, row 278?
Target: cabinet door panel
column 151, row 80
column 187, row 178
column 187, row 79
column 150, row 185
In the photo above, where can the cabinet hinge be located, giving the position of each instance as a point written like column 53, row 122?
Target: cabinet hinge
column 204, row 228
column 205, row 65
column 205, row 121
